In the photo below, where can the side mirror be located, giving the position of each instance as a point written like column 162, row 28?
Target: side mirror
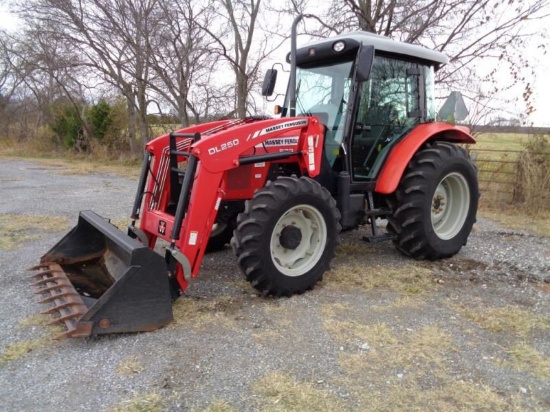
column 269, row 82
column 364, row 63
column 454, row 108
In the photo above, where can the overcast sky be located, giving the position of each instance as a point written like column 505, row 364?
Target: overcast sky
column 541, row 83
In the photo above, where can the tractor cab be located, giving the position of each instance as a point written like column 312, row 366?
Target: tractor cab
column 368, row 91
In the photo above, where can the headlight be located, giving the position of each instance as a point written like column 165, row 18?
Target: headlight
column 339, row 46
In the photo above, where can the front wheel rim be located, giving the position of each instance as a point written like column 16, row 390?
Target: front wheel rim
column 450, row 206
column 301, row 259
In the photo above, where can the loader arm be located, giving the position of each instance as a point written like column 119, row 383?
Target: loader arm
column 224, row 151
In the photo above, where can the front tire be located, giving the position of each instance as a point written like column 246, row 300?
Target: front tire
column 435, row 204
column 287, row 236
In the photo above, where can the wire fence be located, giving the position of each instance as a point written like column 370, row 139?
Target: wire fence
column 507, row 176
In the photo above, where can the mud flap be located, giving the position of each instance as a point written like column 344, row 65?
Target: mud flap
column 102, row 281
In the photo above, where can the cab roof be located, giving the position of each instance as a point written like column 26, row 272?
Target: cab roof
column 386, row 44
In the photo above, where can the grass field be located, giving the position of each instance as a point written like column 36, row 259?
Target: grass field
column 501, row 141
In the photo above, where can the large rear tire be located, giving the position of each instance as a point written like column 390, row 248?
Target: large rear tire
column 435, row 204
column 287, row 236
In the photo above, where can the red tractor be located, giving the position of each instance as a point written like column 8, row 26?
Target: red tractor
column 357, row 140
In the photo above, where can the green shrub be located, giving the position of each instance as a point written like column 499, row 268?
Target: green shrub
column 100, row 118
column 66, row 124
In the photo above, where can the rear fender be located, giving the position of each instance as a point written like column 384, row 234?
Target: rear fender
column 403, row 152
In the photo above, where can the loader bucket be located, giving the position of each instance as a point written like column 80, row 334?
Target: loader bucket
column 102, row 281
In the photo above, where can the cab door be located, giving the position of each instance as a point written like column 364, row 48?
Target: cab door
column 390, row 105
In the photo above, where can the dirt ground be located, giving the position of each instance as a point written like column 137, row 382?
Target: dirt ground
column 380, row 333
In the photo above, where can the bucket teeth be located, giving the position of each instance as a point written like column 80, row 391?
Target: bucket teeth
column 42, row 274
column 52, row 298
column 44, row 281
column 38, row 267
column 64, row 335
column 62, row 319
column 56, row 288
column 57, row 308
column 50, row 288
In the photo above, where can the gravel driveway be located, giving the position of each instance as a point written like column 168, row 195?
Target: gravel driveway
column 381, row 332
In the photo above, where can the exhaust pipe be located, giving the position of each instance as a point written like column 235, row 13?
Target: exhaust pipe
column 102, row 281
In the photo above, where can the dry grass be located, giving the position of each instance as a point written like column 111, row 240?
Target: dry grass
column 355, row 334
column 353, row 249
column 409, row 371
column 281, row 392
column 18, row 229
column 448, row 396
column 533, row 181
column 122, row 223
column 526, row 358
column 387, row 354
column 401, row 302
column 149, row 402
column 129, row 366
column 35, row 320
column 19, row 349
column 85, row 167
column 509, row 319
column 43, row 321
column 219, row 406
column 407, row 279
column 199, row 313
column 507, row 216
column 334, row 310
column 66, row 164
column 514, row 169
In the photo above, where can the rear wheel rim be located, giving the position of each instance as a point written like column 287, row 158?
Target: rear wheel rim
column 450, row 205
column 298, row 261
column 218, row 228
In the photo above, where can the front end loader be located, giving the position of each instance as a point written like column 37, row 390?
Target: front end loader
column 358, row 139
column 101, row 280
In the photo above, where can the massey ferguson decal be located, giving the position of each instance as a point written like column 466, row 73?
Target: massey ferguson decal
column 281, row 126
column 280, row 141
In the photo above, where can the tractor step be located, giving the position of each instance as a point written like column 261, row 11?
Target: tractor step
column 377, row 212
column 379, row 237
column 372, row 213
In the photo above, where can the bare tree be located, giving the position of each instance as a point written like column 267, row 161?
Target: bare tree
column 182, row 58
column 9, row 81
column 42, row 66
column 471, row 32
column 110, row 37
column 244, row 41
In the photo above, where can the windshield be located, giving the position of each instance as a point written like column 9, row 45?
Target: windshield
column 323, row 91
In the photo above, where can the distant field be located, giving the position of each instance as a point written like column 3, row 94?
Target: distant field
column 501, row 141
column 497, row 156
